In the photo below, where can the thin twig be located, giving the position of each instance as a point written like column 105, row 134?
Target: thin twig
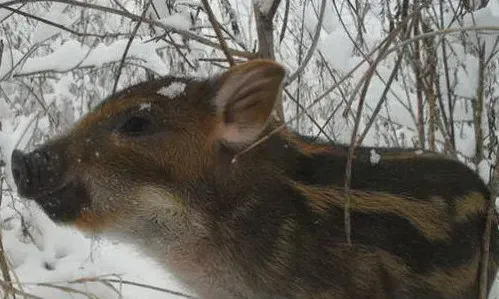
column 108, row 282
column 142, row 285
column 218, row 32
column 284, row 21
column 354, row 143
column 321, row 130
column 312, row 48
column 484, row 262
column 185, row 33
column 487, row 235
column 478, row 105
column 215, row 59
column 450, row 123
column 11, row 13
column 170, row 40
column 341, row 91
column 4, row 266
column 300, row 59
column 40, row 101
column 232, row 17
column 442, row 32
column 128, row 282
column 382, row 99
column 7, row 287
column 179, row 51
column 418, row 72
column 429, row 84
column 391, row 36
column 48, row 22
column 20, row 61
column 127, row 48
column 68, row 290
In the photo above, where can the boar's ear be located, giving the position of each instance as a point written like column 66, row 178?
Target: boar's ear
column 245, row 97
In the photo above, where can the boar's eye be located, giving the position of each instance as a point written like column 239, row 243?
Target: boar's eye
column 135, row 125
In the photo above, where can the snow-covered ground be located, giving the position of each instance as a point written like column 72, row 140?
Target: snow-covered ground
column 63, row 257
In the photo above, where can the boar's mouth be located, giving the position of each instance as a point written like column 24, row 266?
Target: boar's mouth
column 65, row 203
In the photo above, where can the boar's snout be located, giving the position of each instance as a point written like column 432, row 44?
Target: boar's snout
column 37, row 173
column 42, row 176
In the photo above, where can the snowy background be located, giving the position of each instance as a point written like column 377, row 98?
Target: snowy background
column 435, row 87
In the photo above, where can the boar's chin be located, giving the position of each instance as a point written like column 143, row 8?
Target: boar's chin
column 65, row 204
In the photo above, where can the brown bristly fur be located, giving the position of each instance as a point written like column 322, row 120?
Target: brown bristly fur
column 156, row 169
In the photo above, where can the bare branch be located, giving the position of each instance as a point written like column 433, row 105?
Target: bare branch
column 271, row 11
column 129, row 43
column 265, row 32
column 478, row 105
column 312, row 48
column 284, row 21
column 127, row 48
column 48, row 22
column 450, row 123
column 418, row 72
column 232, row 16
column 441, row 32
column 185, row 33
column 4, row 266
column 321, row 130
column 354, row 143
column 484, row 262
column 382, row 99
column 142, row 285
column 218, row 32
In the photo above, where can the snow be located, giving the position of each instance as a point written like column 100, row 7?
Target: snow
column 4, row 109
column 160, row 7
column 494, row 8
column 484, row 170
column 74, row 54
column 263, row 5
column 330, row 21
column 62, row 255
column 9, row 59
column 173, row 90
column 179, row 20
column 145, row 106
column 486, row 16
column 54, row 14
column 337, row 47
column 375, row 157
column 468, row 78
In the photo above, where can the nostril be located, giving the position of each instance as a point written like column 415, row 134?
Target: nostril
column 37, row 172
